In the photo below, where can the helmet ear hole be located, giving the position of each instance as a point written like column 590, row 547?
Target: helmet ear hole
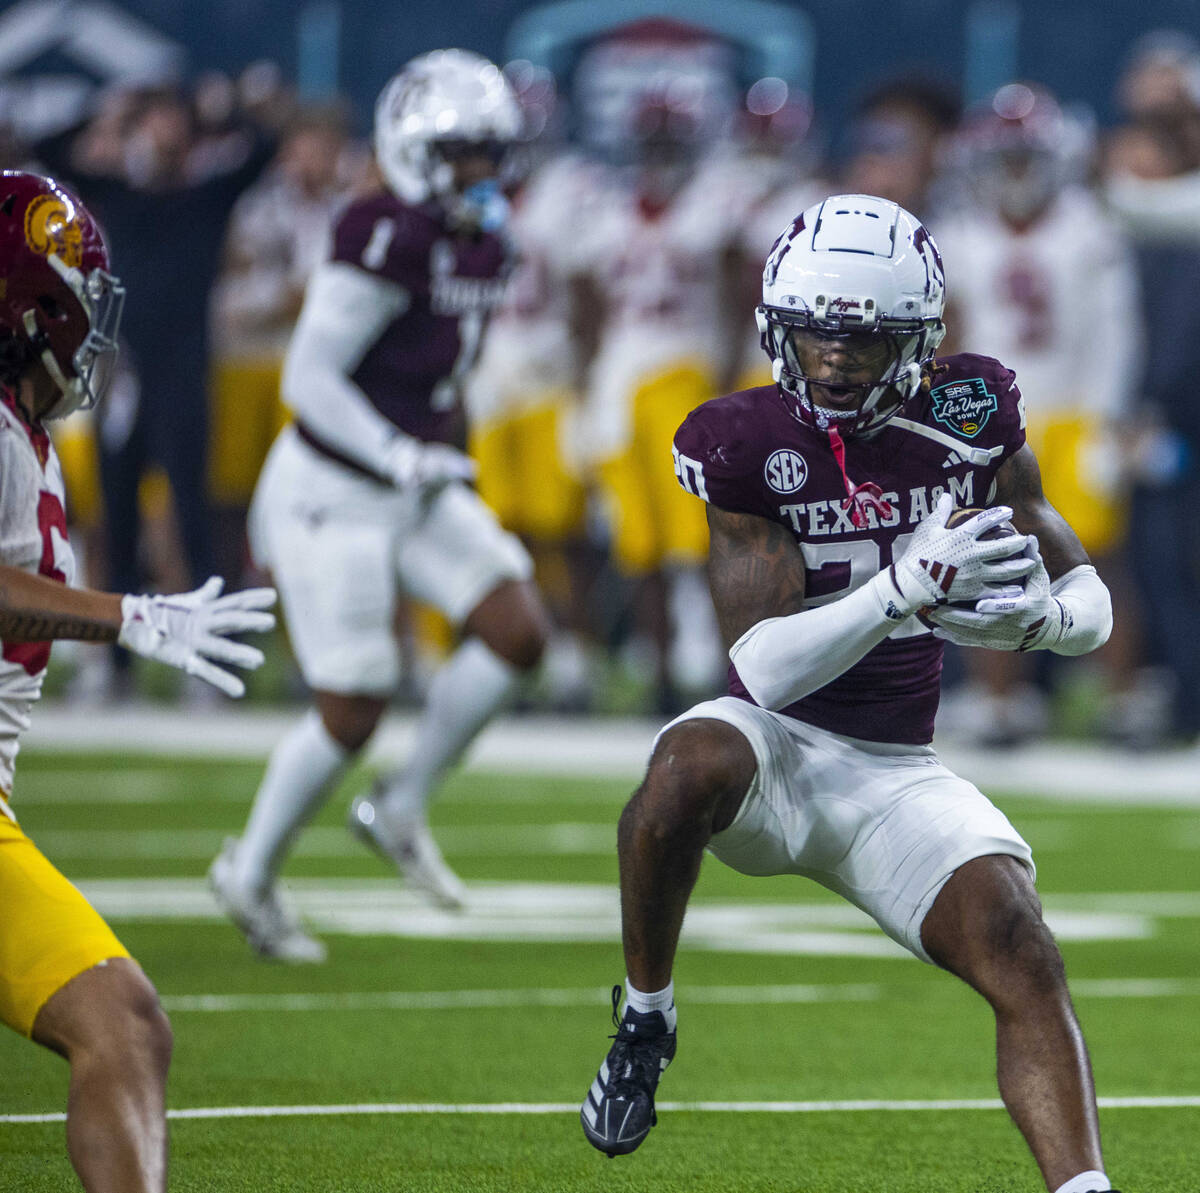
column 51, row 308
column 15, row 356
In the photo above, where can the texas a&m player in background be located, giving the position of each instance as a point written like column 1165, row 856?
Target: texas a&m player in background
column 829, row 497
column 363, row 500
column 66, row 981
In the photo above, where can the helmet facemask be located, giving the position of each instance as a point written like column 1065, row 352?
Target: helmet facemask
column 478, row 202
column 442, row 108
column 846, row 373
column 85, row 375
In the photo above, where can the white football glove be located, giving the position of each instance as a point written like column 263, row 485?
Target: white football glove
column 944, row 563
column 188, row 629
column 411, row 462
column 1033, row 621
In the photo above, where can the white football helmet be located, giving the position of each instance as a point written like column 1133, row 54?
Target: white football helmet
column 853, row 293
column 438, row 105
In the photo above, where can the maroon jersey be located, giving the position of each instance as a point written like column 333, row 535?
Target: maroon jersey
column 747, row 454
column 414, row 371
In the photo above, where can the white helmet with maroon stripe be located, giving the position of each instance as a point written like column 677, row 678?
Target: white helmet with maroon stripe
column 443, row 104
column 853, row 293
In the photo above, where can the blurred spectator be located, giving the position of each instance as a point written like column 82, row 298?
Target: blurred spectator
column 164, row 196
column 277, row 234
column 1162, row 78
column 897, row 140
column 1152, row 168
column 1164, row 444
column 1044, row 281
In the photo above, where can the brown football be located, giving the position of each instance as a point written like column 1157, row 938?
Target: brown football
column 962, row 513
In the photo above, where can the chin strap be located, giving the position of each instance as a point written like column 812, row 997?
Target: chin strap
column 858, row 497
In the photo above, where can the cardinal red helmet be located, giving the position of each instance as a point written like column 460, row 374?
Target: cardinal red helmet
column 59, row 304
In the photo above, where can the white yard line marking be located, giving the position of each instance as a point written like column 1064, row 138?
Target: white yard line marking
column 567, row 912
column 449, row 1000
column 502, row 840
column 360, row 1108
column 1135, row 987
column 455, row 1000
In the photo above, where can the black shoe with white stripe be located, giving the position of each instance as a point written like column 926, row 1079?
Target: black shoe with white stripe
column 618, row 1112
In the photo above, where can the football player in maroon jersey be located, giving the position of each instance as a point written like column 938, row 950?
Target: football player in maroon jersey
column 65, row 980
column 363, row 502
column 829, row 497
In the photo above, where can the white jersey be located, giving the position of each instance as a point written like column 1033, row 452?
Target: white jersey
column 33, row 537
column 527, row 352
column 277, row 236
column 1058, row 303
column 660, row 272
column 658, row 268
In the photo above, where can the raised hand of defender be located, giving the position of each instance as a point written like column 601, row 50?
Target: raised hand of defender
column 954, row 563
column 188, row 630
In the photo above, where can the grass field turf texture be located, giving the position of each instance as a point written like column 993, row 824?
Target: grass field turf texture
column 416, row 1022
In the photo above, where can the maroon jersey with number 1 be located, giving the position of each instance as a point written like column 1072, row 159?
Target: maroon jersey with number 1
column 413, row 372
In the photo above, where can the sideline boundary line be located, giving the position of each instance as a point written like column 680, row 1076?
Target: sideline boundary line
column 385, row 1108
column 609, row 748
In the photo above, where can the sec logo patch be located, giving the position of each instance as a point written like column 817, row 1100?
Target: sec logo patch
column 785, row 471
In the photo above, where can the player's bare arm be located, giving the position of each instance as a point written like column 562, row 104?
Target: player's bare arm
column 37, row 609
column 755, row 571
column 1019, row 485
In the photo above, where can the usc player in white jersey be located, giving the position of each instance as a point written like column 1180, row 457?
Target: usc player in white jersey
column 663, row 255
column 1045, row 280
column 523, row 402
column 66, row 981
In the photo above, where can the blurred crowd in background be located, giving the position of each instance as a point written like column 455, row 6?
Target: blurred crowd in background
column 645, row 195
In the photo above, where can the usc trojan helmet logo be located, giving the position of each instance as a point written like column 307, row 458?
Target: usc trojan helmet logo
column 51, row 227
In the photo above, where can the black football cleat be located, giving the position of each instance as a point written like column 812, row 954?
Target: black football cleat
column 618, row 1112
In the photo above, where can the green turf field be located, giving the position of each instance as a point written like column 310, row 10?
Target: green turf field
column 426, row 1024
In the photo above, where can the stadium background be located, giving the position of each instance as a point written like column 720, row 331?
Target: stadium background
column 397, row 1065
column 1074, row 47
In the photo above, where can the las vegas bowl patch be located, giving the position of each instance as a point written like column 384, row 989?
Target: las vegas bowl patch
column 964, row 406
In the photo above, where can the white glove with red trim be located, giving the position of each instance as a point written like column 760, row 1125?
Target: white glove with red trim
column 953, row 563
column 186, row 630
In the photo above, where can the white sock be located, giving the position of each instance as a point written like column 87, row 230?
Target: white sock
column 467, row 691
column 661, row 1000
column 1085, row 1182
column 303, row 768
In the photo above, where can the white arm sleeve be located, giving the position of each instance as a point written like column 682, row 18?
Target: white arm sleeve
column 783, row 659
column 1086, row 611
column 345, row 311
